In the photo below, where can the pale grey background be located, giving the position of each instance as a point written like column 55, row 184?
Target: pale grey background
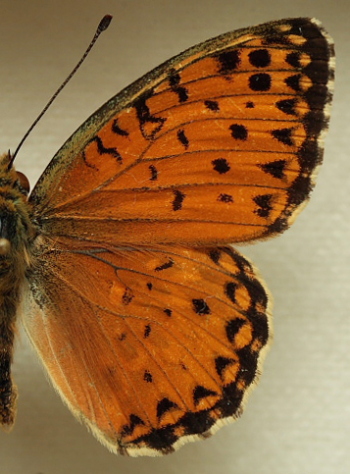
column 298, row 419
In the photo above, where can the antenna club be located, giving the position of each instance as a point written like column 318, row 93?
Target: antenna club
column 104, row 23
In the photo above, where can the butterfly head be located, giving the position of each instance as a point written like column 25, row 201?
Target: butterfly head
column 15, row 224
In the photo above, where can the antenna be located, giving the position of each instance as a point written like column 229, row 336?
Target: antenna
column 102, row 26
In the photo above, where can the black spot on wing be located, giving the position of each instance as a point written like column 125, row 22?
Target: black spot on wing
column 147, row 331
column 260, row 58
column 225, row 198
column 239, row 132
column 200, row 306
column 221, row 165
column 147, row 377
column 228, row 61
column 212, row 105
column 260, row 82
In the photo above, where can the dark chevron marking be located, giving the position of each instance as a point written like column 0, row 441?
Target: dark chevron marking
column 119, row 131
column 201, row 392
column 275, row 168
column 233, row 327
column 146, row 119
column 294, row 82
column 287, row 106
column 284, row 135
column 221, row 364
column 230, row 291
column 214, row 255
column 294, row 59
column 165, row 405
column 103, row 150
column 134, row 421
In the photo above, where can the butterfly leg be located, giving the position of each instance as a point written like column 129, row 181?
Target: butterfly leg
column 8, row 392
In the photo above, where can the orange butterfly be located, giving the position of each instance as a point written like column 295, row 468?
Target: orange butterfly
column 151, row 328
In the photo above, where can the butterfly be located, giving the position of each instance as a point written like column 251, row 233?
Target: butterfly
column 151, row 327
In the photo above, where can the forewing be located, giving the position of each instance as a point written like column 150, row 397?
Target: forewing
column 151, row 347
column 216, row 145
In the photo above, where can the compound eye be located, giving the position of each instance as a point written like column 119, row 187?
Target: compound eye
column 23, row 181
